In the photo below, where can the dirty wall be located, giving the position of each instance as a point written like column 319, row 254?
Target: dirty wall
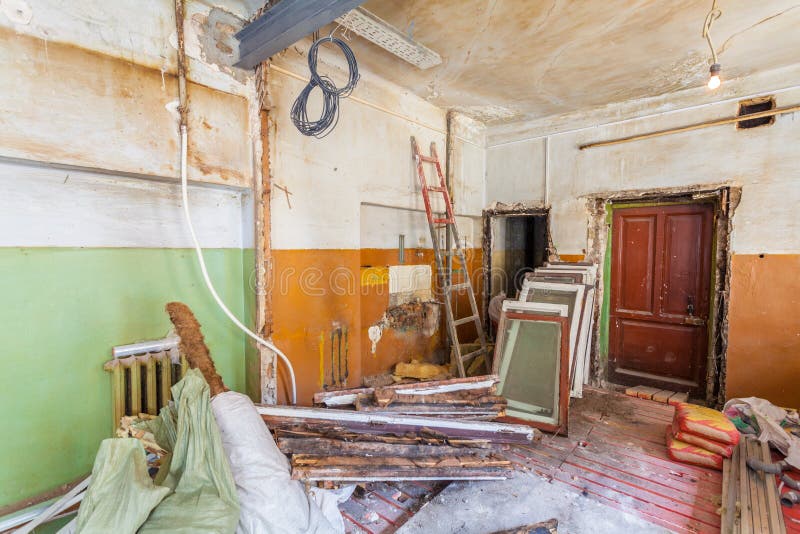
column 335, row 234
column 92, row 239
column 526, row 162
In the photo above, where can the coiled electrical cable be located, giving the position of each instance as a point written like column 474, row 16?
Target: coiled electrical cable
column 329, row 116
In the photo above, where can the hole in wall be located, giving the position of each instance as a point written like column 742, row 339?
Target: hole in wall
column 755, row 105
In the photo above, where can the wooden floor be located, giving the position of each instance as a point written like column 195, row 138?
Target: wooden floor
column 614, row 454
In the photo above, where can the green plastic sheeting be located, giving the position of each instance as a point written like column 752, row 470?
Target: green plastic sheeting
column 194, row 489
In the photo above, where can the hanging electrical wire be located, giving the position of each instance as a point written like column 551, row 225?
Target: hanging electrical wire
column 329, row 116
column 716, row 68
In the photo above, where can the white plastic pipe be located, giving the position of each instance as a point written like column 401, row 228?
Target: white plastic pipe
column 202, row 262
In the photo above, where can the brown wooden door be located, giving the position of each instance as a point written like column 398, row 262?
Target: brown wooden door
column 660, row 285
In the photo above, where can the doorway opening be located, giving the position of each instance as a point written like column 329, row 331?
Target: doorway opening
column 663, row 290
column 516, row 241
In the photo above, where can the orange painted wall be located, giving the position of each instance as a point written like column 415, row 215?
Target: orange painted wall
column 764, row 328
column 307, row 306
column 318, row 291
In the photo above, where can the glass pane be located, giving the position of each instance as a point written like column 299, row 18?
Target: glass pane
column 529, row 369
column 553, row 296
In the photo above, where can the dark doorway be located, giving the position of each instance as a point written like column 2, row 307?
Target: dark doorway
column 661, row 269
column 519, row 244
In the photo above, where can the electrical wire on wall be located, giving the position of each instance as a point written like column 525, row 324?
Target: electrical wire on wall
column 715, row 69
column 331, row 94
column 185, row 199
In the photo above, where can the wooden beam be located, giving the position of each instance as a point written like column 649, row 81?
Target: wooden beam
column 284, row 24
column 381, row 423
column 337, row 447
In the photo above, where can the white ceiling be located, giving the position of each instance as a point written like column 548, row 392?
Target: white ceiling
column 511, row 60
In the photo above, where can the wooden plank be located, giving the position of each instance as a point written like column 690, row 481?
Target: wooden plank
column 678, row 398
column 328, row 431
column 757, row 500
column 663, row 395
column 479, row 406
column 336, row 447
column 452, row 462
column 776, row 522
column 395, row 474
column 431, row 387
column 384, row 396
column 380, row 423
column 744, row 489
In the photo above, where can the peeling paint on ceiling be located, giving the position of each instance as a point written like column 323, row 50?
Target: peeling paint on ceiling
column 511, row 60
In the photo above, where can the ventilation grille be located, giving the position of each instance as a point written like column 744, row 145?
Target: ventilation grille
column 756, row 105
column 383, row 34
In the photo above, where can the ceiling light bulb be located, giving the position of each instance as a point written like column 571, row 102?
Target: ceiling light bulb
column 714, row 81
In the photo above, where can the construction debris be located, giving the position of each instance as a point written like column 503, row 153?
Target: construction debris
column 363, row 446
column 421, row 370
column 471, row 398
column 750, row 498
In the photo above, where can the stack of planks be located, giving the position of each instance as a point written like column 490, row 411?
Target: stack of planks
column 471, row 398
column 750, row 499
column 359, row 446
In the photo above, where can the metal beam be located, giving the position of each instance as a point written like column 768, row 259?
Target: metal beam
column 284, row 24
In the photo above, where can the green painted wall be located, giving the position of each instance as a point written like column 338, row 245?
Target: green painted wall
column 62, row 311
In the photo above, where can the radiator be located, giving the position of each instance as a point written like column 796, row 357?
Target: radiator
column 142, row 376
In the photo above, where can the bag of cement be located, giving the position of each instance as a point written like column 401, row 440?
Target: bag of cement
column 270, row 501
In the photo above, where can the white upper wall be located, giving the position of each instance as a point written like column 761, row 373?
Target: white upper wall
column 367, row 159
column 763, row 161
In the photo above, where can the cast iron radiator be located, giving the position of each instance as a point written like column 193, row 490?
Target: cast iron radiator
column 142, row 375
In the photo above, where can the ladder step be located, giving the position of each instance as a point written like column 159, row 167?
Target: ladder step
column 457, row 287
column 465, row 320
column 437, row 189
column 444, row 221
column 471, row 355
column 428, row 159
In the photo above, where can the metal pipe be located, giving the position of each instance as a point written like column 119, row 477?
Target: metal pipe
column 698, row 126
column 157, row 345
column 792, row 483
column 790, row 498
column 401, row 249
column 767, row 467
column 404, row 208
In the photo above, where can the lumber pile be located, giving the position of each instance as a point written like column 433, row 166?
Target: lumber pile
column 471, row 398
column 750, row 498
column 363, row 446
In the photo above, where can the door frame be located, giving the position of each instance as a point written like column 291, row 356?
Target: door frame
column 488, row 215
column 724, row 198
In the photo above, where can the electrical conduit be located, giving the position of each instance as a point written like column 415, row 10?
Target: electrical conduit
column 209, row 285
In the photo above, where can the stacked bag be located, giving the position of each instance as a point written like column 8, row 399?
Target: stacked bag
column 700, row 436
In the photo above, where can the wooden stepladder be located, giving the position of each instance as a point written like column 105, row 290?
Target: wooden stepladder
column 449, row 289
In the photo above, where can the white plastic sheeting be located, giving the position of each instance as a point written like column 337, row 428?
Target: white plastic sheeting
column 269, row 500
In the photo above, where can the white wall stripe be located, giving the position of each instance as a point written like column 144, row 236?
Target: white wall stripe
column 44, row 207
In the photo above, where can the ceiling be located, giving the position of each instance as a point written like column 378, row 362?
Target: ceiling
column 510, row 60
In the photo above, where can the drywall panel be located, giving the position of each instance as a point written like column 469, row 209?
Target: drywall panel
column 67, row 105
column 44, row 207
column 516, row 172
column 764, row 328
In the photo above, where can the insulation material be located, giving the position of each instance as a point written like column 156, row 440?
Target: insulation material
column 723, row 449
column 705, row 422
column 680, row 451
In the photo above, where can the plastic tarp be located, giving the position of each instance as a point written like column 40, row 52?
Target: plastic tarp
column 194, row 490
column 271, row 502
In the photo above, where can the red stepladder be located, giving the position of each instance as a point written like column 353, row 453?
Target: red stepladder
column 449, row 290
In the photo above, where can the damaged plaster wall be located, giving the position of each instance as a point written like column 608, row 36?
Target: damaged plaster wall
column 94, row 241
column 338, row 205
column 763, row 338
